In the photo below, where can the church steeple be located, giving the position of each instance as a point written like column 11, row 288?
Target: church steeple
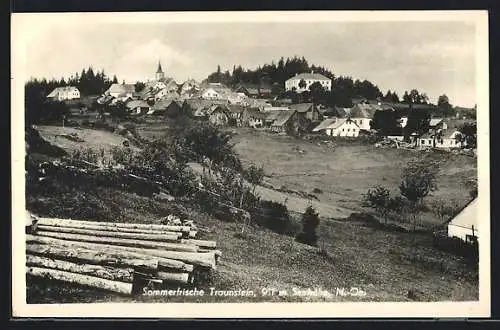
column 159, row 72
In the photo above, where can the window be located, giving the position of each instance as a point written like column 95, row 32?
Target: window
column 342, row 129
column 422, row 141
column 348, row 129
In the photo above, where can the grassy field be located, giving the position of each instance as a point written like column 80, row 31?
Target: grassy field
column 345, row 171
column 385, row 264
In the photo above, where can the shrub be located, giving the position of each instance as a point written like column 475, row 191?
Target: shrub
column 317, row 191
column 310, row 221
column 254, row 174
column 443, row 210
column 272, row 215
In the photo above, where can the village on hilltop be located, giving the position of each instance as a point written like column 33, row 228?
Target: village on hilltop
column 270, row 106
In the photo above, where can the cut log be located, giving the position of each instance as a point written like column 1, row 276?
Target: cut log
column 121, row 241
column 192, row 234
column 91, row 281
column 164, row 237
column 183, row 278
column 118, row 258
column 159, row 261
column 200, row 243
column 151, row 227
column 125, row 275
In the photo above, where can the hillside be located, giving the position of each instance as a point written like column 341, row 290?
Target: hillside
column 387, row 265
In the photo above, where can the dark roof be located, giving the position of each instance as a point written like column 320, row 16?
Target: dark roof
column 301, row 107
column 137, row 103
column 235, row 108
column 313, row 76
column 164, row 104
column 255, row 112
column 361, row 110
column 324, row 124
column 283, row 117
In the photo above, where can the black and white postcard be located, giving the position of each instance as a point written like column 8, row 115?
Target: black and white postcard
column 250, row 164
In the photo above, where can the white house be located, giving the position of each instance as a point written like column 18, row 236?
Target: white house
column 338, row 127
column 64, row 93
column 210, row 94
column 465, row 224
column 362, row 114
column 121, row 90
column 309, row 79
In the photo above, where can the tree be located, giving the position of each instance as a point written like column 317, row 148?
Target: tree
column 386, row 122
column 444, row 106
column 310, row 221
column 468, row 134
column 418, row 122
column 115, row 80
column 139, row 86
column 418, row 179
column 302, row 84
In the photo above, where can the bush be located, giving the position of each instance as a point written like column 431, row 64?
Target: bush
column 310, row 221
column 272, row 215
column 454, row 245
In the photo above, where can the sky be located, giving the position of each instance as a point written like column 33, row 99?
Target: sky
column 433, row 57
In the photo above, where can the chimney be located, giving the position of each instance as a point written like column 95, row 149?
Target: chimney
column 312, row 71
column 296, row 74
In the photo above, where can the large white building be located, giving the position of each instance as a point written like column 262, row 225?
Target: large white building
column 309, row 79
column 64, row 93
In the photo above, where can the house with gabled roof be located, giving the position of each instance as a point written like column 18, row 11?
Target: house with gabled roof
column 465, row 224
column 344, row 127
column 121, row 90
column 253, row 117
column 138, row 107
column 309, row 110
column 362, row 114
column 64, row 93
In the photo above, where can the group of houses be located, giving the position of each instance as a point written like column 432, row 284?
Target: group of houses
column 253, row 105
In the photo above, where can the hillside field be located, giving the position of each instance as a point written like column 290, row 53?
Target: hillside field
column 385, row 264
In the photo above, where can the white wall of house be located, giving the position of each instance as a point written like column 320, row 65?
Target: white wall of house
column 363, row 123
column 294, row 83
column 210, row 94
column 255, row 122
column 346, row 129
column 461, row 231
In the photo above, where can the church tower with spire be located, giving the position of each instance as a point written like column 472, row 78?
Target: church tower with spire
column 159, row 73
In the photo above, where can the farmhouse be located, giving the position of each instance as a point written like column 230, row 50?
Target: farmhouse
column 362, row 114
column 121, row 90
column 437, row 123
column 218, row 115
column 210, row 93
column 338, row 127
column 235, row 112
column 64, row 93
column 309, row 79
column 465, row 224
column 283, row 120
column 252, row 117
column 168, row 108
column 138, row 107
column 309, row 110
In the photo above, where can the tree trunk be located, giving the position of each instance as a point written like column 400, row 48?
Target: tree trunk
column 184, row 278
column 160, row 259
column 109, row 273
column 201, row 243
column 150, row 227
column 171, row 236
column 91, row 281
column 96, row 226
column 85, row 255
column 120, row 241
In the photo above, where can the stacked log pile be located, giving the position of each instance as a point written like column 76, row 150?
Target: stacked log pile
column 119, row 257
